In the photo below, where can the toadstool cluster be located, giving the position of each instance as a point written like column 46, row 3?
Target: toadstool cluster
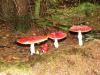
column 37, row 39
column 32, row 40
column 55, row 36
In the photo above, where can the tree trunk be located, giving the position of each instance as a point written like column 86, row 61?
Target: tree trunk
column 43, row 8
column 21, row 6
column 8, row 10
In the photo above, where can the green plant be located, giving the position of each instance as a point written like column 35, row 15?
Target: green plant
column 49, row 23
column 63, row 28
column 22, row 23
column 92, row 35
column 60, row 16
column 42, row 22
column 86, row 8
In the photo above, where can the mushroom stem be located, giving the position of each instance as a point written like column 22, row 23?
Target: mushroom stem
column 80, row 38
column 56, row 43
column 32, row 49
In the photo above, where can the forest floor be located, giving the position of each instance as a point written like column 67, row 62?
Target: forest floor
column 68, row 59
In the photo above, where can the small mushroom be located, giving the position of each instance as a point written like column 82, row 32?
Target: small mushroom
column 57, row 36
column 32, row 40
column 80, row 30
column 44, row 48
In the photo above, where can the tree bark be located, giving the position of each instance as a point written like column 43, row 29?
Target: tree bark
column 8, row 10
column 21, row 6
column 43, row 8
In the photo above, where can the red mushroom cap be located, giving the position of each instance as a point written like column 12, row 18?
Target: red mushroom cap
column 44, row 48
column 57, row 35
column 32, row 39
column 82, row 28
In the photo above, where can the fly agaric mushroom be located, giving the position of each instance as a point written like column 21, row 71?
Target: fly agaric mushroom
column 32, row 40
column 57, row 36
column 80, row 30
column 44, row 48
